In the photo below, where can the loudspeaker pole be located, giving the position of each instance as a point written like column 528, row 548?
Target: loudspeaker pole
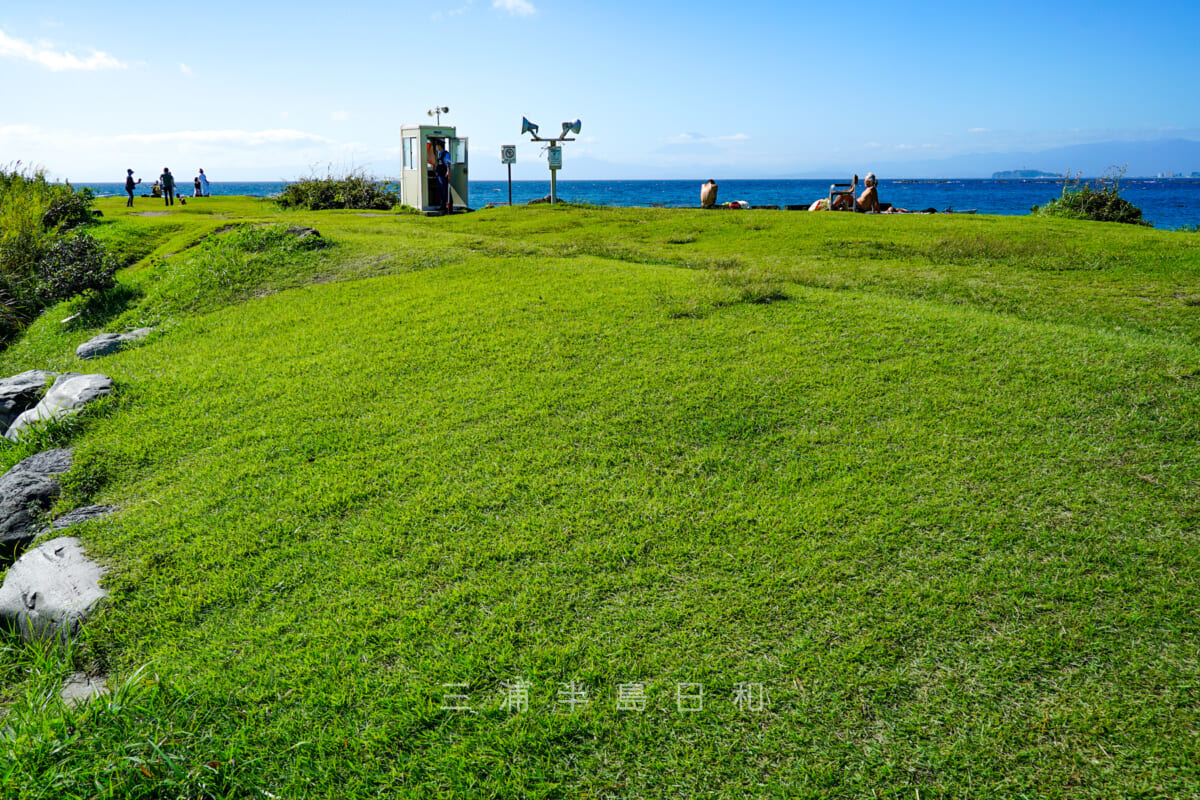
column 553, row 151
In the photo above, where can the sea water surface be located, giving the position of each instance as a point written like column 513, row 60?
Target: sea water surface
column 1167, row 203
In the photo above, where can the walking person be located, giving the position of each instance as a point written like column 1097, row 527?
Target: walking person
column 129, row 184
column 168, row 186
column 203, row 183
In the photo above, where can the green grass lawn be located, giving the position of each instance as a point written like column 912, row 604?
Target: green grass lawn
column 891, row 507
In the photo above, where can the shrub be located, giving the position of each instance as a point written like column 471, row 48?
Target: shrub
column 353, row 190
column 40, row 261
column 74, row 265
column 1101, row 202
column 68, row 207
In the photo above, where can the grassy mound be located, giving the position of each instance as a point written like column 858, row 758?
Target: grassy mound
column 925, row 487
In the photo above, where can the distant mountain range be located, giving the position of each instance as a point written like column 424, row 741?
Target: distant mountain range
column 1140, row 159
column 1019, row 174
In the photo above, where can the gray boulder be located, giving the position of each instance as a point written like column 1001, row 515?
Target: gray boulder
column 107, row 343
column 21, row 393
column 29, row 487
column 51, row 590
column 80, row 515
column 69, row 394
column 302, row 232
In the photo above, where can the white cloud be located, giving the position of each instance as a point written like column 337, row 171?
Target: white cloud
column 233, row 154
column 979, row 130
column 185, row 69
column 56, row 61
column 18, row 130
column 520, row 8
column 340, row 116
column 232, row 137
column 699, row 138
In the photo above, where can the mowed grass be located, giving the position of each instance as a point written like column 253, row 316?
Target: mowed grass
column 927, row 487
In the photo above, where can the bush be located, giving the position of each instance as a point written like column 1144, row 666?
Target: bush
column 40, row 262
column 68, row 207
column 74, row 265
column 353, row 190
column 1100, row 203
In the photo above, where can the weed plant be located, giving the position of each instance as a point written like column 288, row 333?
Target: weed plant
column 1101, row 202
column 142, row 738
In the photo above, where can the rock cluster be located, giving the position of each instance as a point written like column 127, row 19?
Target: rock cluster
column 51, row 589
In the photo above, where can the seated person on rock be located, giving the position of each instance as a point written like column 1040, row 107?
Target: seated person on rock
column 868, row 201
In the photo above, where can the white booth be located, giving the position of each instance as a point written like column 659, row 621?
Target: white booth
column 418, row 181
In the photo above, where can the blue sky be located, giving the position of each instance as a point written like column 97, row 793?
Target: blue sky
column 271, row 91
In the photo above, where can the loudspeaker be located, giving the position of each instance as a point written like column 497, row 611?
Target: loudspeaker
column 571, row 127
column 528, row 127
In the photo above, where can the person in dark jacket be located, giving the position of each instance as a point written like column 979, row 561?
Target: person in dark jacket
column 129, row 184
column 168, row 187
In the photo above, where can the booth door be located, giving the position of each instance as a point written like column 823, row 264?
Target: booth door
column 458, row 171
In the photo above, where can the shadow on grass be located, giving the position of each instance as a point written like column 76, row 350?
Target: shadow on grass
column 102, row 307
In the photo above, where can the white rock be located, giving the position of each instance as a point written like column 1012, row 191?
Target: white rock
column 51, row 590
column 69, row 394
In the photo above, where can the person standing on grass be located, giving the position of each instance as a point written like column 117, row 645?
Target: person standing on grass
column 168, row 186
column 129, row 184
column 203, row 183
column 442, row 171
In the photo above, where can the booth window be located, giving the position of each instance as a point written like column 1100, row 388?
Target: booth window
column 458, row 151
column 410, row 152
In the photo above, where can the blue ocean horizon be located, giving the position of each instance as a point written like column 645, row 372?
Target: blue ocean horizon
column 1168, row 203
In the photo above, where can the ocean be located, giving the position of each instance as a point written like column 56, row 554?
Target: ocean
column 1168, row 203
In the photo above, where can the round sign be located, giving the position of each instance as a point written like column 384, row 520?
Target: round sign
column 508, row 154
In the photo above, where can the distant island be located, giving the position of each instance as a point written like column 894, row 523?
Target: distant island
column 1023, row 173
